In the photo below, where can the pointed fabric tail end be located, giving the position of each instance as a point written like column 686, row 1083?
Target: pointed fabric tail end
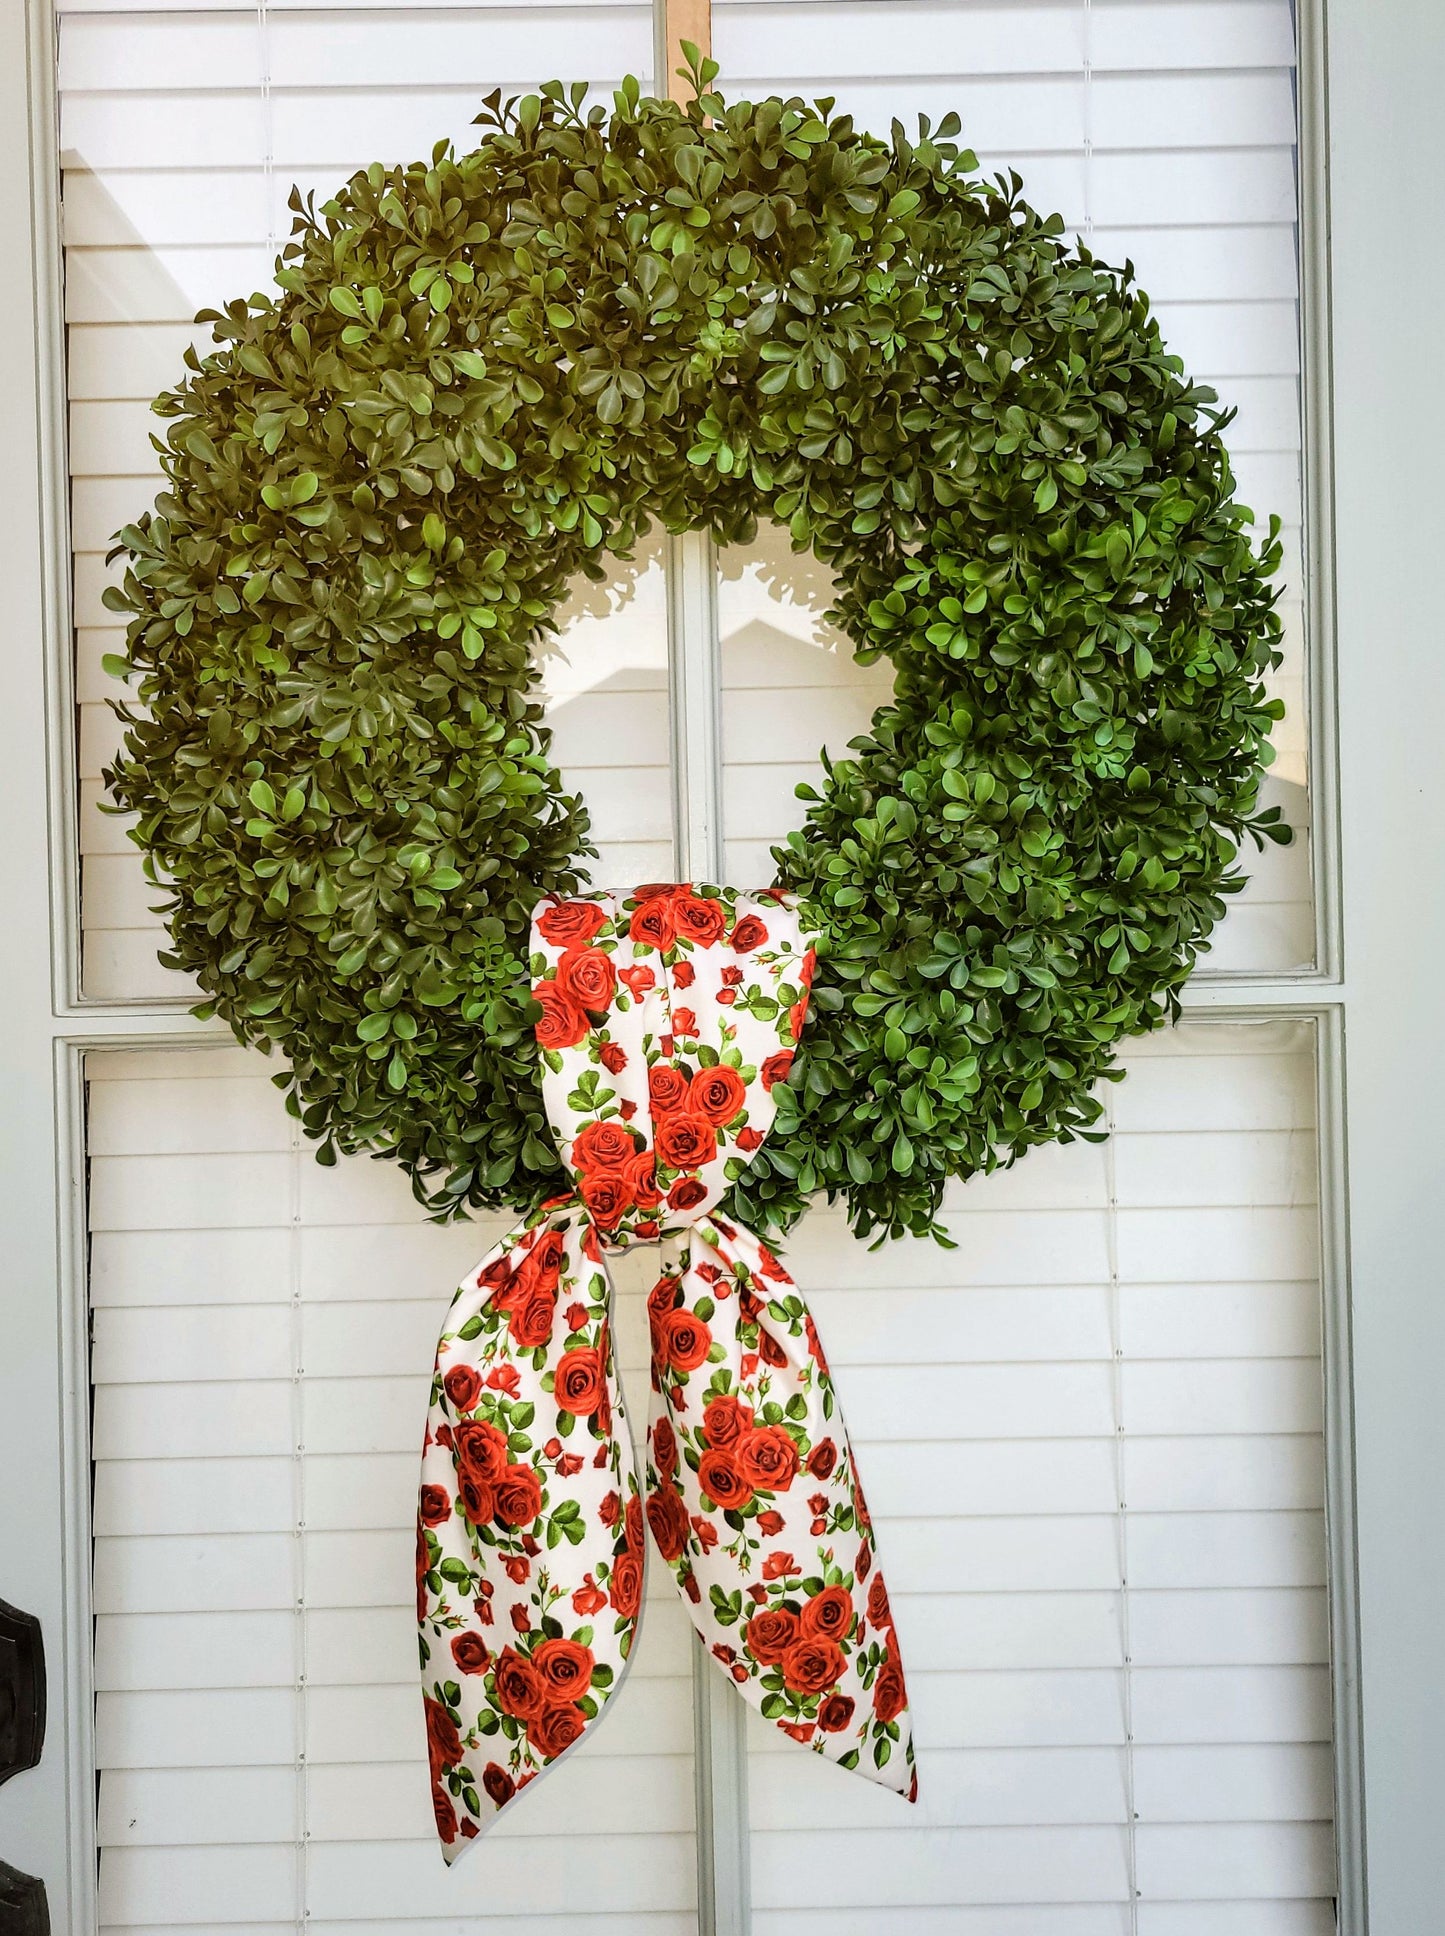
column 755, row 1503
column 529, row 1561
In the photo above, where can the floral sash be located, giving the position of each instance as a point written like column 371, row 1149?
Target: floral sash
column 667, row 1017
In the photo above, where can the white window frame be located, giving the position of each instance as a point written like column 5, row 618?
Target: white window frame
column 1372, row 153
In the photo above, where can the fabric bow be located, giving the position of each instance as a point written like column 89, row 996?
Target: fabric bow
column 668, row 1016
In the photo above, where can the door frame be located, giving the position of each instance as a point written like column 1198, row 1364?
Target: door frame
column 1367, row 118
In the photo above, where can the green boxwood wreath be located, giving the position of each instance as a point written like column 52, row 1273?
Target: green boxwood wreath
column 483, row 373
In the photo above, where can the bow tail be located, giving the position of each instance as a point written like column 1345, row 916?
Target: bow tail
column 755, row 1503
column 529, row 1559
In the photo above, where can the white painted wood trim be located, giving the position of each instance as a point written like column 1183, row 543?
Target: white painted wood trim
column 1386, row 159
column 694, row 696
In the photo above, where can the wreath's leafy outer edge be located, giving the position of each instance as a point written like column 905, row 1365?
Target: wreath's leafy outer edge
column 481, row 373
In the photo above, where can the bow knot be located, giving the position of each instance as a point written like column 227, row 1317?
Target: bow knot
column 667, row 1018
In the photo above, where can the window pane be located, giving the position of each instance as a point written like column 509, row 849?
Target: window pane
column 182, row 134
column 263, row 1338
column 1091, row 1441
column 1163, row 134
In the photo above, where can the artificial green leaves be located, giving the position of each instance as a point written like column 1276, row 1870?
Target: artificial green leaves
column 482, row 373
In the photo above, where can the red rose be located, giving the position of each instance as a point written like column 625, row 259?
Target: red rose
column 632, row 1527
column 685, row 1140
column 811, row 1665
column 683, row 975
column 479, row 1500
column 879, row 1611
column 652, row 924
column 667, row 1516
column 667, row 1088
column 776, row 1068
column 770, row 1524
column 639, row 1179
column 702, row 922
column 828, row 1615
column 686, row 1340
column 807, row 967
column 771, row 1269
column 554, row 1730
column 663, row 1296
column 610, row 1509
column 519, row 1569
column 566, row 1668
column 770, row 1633
column 890, row 1696
column 797, row 1015
column 822, row 1459
column 835, row 1713
column 684, row 1022
column 562, row 1024
column 444, row 1743
column 767, row 1458
column 436, row 1505
column 470, row 1653
column 498, row 1784
column 518, row 1686
column 749, row 933
column 626, row 1587
column 480, row 1448
column 749, row 1139
column 542, row 1265
column 664, row 1448
column 639, row 980
column 725, row 1419
column 423, row 1567
column 588, row 1599
column 602, row 1146
column 570, row 924
column 580, row 1382
column 732, row 977
column 769, row 1350
column 727, row 996
column 606, row 1196
column 863, row 1565
column 529, row 1322
column 505, row 1378
column 446, row 1815
column 613, row 1057
column 687, row 1193
column 587, row 977
column 577, row 1315
column 519, row 1496
column 722, row 1482
column 717, row 1093
column 463, row 1386
column 778, row 1566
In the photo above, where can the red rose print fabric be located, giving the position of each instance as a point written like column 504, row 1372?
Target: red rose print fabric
column 668, row 1017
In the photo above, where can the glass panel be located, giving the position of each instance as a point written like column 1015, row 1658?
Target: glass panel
column 263, row 1337
column 182, row 133
column 1164, row 134
column 1091, row 1440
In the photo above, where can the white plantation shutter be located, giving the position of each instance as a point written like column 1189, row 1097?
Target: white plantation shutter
column 263, row 1337
column 1163, row 132
column 264, row 1328
column 1090, row 1434
column 1097, row 1464
column 182, row 132
column 1091, row 1439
